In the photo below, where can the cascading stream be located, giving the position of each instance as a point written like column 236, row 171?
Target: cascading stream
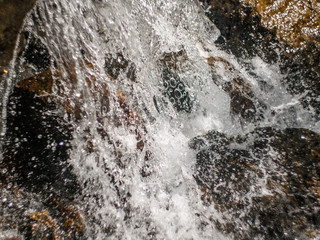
column 136, row 81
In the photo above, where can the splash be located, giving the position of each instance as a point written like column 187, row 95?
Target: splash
column 136, row 80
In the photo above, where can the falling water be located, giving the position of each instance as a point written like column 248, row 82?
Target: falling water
column 129, row 147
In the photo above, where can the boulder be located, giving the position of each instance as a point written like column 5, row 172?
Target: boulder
column 282, row 32
column 241, row 32
column 295, row 23
column 265, row 184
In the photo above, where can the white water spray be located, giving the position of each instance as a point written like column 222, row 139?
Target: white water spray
column 119, row 202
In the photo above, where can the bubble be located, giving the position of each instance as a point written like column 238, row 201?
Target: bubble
column 173, row 82
column 177, row 93
column 170, row 91
column 180, row 86
column 184, row 93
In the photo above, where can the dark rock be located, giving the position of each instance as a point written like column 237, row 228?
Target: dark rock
column 255, row 30
column 302, row 71
column 115, row 65
column 266, row 183
column 36, row 152
column 243, row 102
column 241, row 31
column 35, row 54
column 37, row 145
column 173, row 88
column 12, row 14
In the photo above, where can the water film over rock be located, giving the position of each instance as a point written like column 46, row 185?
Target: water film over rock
column 144, row 119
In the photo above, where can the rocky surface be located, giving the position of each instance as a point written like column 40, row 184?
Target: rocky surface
column 241, row 31
column 244, row 105
column 265, row 183
column 282, row 32
column 12, row 14
column 295, row 23
column 39, row 132
column 38, row 185
column 173, row 89
column 297, row 27
column 25, row 215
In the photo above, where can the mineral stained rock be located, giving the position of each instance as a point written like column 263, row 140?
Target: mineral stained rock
column 296, row 25
column 266, row 183
column 295, row 22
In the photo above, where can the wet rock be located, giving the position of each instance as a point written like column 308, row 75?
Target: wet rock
column 34, row 56
column 118, row 67
column 12, row 14
column 28, row 215
column 295, row 23
column 36, row 153
column 297, row 27
column 284, row 32
column 241, row 32
column 115, row 65
column 37, row 139
column 173, row 88
column 65, row 222
column 37, row 144
column 40, row 84
column 244, row 105
column 265, row 183
column 302, row 69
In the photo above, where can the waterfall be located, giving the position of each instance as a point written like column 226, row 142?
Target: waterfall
column 135, row 81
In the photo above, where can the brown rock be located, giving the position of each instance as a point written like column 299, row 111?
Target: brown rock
column 241, row 31
column 285, row 32
column 12, row 14
column 40, row 84
column 295, row 22
column 266, row 182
